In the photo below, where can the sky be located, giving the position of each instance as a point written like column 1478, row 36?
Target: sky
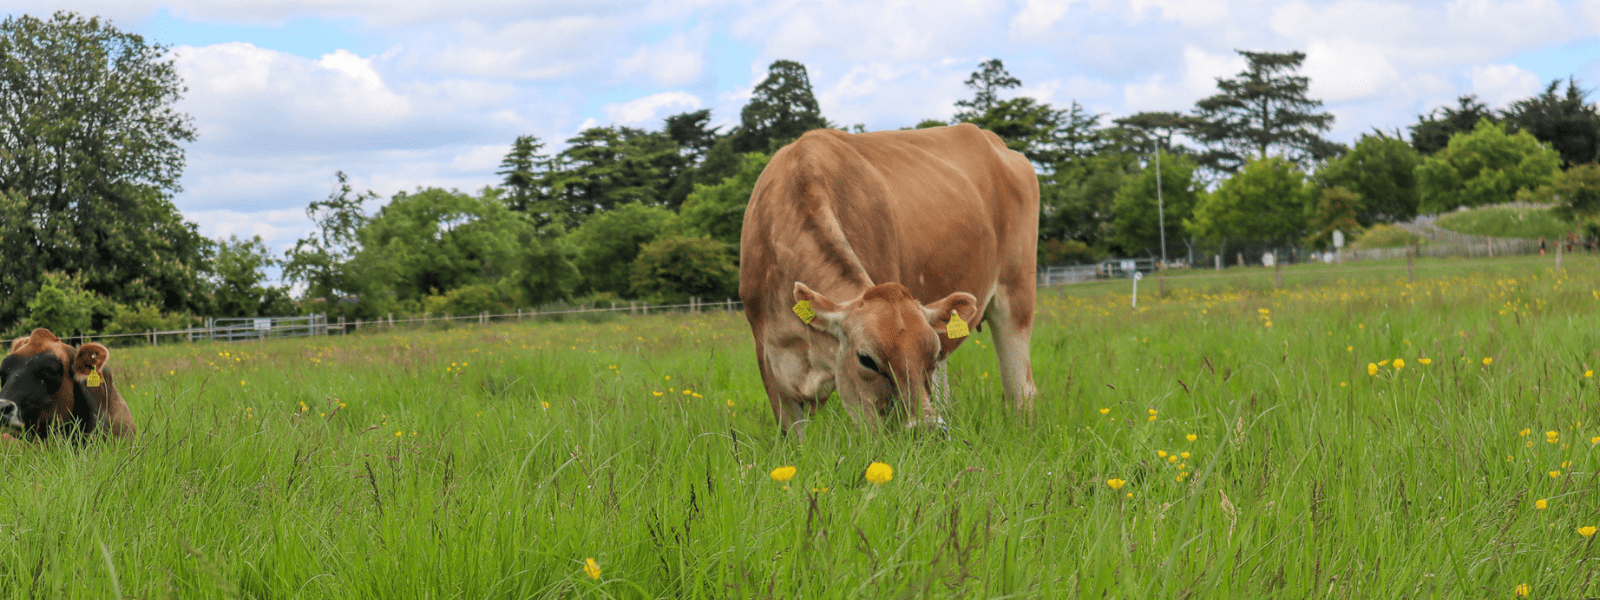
column 400, row 94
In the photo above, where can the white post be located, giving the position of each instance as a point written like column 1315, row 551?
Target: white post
column 1136, row 277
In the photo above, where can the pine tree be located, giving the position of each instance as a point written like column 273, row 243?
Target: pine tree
column 1261, row 112
column 781, row 108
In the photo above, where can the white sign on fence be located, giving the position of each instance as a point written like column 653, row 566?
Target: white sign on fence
column 1338, row 239
column 1129, row 265
column 264, row 324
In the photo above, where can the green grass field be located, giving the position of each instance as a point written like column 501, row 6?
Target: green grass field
column 1507, row 222
column 1259, row 459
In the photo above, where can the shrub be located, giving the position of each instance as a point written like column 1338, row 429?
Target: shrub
column 675, row 268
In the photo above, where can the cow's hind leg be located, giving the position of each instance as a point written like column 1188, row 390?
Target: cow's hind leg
column 1011, row 316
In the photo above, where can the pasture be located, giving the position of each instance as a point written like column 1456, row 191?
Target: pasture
column 1225, row 441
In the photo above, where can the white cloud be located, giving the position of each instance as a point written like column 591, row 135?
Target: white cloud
column 1200, row 72
column 671, row 63
column 897, row 30
column 650, row 109
column 1192, row 13
column 1346, row 70
column 1498, row 85
column 1038, row 16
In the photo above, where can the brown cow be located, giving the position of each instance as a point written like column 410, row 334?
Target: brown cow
column 49, row 387
column 885, row 235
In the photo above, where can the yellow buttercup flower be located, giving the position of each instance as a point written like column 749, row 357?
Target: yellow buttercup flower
column 1153, row 412
column 1555, row 474
column 1349, row 348
column 1588, row 374
column 1161, row 453
column 1185, row 455
column 1586, row 531
column 1116, row 484
column 1383, row 363
column 1595, row 440
column 1372, row 369
column 1399, row 363
column 1191, row 437
column 1425, row 361
column 1541, row 503
column 1525, row 432
column 1105, row 411
column 879, row 473
column 1524, row 589
column 783, row 474
column 1172, row 459
column 1487, row 360
column 591, row 568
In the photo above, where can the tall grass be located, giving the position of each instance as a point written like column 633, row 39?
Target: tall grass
column 1508, row 222
column 491, row 462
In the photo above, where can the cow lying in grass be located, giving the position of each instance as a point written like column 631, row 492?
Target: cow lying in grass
column 48, row 387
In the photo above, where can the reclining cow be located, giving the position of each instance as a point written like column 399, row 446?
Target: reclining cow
column 864, row 258
column 48, row 387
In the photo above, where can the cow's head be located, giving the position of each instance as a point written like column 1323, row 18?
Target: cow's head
column 41, row 384
column 888, row 345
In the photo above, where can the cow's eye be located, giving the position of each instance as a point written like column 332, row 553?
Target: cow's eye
column 867, row 362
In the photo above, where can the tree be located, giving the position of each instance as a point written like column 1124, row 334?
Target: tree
column 323, row 260
column 524, row 170
column 1076, row 201
column 436, row 240
column 1046, row 135
column 1434, row 130
column 781, row 108
column 1263, row 110
column 718, row 210
column 676, row 268
column 1148, row 130
column 236, row 272
column 605, row 167
column 546, row 271
column 1263, row 204
column 1486, row 166
column 986, row 83
column 692, row 133
column 610, row 242
column 1575, row 192
column 1382, row 171
column 1569, row 124
column 1335, row 210
column 1137, row 222
column 61, row 305
column 90, row 153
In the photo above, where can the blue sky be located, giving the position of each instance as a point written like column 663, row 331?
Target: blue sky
column 400, row 94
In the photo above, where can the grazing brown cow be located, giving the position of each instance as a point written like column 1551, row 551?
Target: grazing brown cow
column 883, row 236
column 49, row 387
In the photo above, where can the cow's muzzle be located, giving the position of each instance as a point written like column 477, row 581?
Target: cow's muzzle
column 10, row 416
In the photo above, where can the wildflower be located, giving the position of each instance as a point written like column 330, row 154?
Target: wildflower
column 879, row 473
column 1116, row 484
column 1263, row 311
column 1105, row 411
column 1172, row 459
column 1525, row 432
column 1185, row 455
column 1152, row 418
column 1372, row 369
column 1487, row 360
column 544, row 404
column 783, row 474
column 1588, row 374
column 1541, row 503
column 1153, row 412
column 1349, row 348
column 1343, row 384
column 1595, row 440
column 730, row 404
column 1383, row 363
column 657, row 394
column 1524, row 589
column 399, row 433
column 1161, row 453
column 1130, row 494
column 1399, row 363
column 1425, row 361
column 1555, row 474
column 591, row 568
column 1191, row 437
column 819, row 490
column 1586, row 531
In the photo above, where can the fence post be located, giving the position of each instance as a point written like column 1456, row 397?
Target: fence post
column 1277, row 271
column 341, row 324
column 1411, row 271
column 519, row 315
column 1219, row 261
column 633, row 307
column 1240, row 255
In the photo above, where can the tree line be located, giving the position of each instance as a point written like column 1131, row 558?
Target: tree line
column 90, row 156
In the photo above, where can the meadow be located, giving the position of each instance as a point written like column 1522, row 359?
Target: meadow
column 1351, row 435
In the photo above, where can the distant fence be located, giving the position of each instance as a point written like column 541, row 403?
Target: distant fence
column 264, row 328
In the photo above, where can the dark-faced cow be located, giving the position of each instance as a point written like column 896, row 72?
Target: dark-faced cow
column 48, row 387
column 884, row 236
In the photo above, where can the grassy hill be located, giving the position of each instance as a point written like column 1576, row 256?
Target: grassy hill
column 1507, row 222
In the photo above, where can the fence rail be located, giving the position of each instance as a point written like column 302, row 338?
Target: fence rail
column 264, row 328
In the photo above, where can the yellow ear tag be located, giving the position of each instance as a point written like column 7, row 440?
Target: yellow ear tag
column 957, row 327
column 94, row 379
column 803, row 310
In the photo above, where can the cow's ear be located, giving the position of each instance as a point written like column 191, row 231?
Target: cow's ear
column 816, row 309
column 91, row 357
column 960, row 303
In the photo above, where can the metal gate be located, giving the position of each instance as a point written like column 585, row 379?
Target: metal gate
column 260, row 328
